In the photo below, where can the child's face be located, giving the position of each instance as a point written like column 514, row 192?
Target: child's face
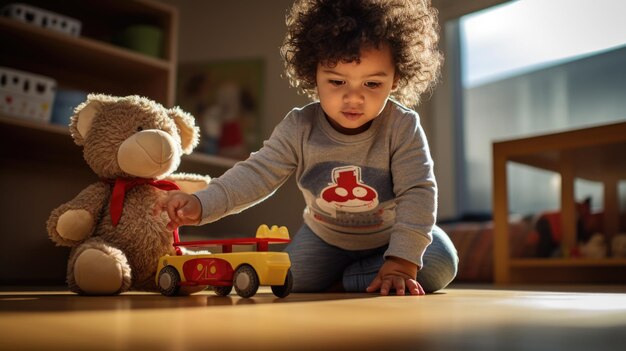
column 353, row 94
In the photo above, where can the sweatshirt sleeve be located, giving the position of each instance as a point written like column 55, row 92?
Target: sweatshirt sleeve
column 415, row 191
column 251, row 181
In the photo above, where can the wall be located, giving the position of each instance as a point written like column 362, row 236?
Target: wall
column 217, row 30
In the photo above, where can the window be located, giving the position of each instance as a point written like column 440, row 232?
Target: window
column 532, row 67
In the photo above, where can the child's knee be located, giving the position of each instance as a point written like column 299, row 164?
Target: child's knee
column 310, row 279
column 438, row 272
column 357, row 282
column 358, row 276
column 440, row 264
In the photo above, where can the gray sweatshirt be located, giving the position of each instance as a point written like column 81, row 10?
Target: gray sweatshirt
column 361, row 191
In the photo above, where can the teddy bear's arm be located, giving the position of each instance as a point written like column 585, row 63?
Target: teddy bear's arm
column 189, row 183
column 75, row 220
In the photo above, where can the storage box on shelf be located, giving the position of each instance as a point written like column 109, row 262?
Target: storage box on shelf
column 26, row 95
column 39, row 17
column 596, row 154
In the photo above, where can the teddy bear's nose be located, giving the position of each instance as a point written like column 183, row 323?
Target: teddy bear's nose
column 156, row 144
column 148, row 153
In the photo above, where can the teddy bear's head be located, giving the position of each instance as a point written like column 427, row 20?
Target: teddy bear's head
column 132, row 136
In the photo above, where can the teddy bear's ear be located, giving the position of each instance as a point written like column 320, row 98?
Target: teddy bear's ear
column 189, row 132
column 82, row 120
column 84, row 114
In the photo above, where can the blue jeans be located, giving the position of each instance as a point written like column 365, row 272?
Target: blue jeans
column 317, row 265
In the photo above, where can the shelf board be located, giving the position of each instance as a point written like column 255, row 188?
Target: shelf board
column 34, row 125
column 568, row 262
column 72, row 49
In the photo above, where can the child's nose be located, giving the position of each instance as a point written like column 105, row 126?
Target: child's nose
column 353, row 95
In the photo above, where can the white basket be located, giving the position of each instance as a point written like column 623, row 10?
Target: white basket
column 43, row 18
column 26, row 95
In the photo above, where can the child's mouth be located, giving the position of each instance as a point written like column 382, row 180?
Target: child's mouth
column 352, row 116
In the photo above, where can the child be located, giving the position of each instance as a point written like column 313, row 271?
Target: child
column 360, row 158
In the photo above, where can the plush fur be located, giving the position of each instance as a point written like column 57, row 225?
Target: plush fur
column 618, row 245
column 122, row 137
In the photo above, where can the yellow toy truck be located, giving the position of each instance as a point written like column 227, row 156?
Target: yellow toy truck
column 245, row 271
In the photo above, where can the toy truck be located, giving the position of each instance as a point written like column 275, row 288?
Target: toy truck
column 245, row 271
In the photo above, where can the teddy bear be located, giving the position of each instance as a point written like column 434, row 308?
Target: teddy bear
column 134, row 145
column 618, row 245
column 596, row 247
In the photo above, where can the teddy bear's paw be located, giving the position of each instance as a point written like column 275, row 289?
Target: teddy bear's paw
column 75, row 225
column 98, row 273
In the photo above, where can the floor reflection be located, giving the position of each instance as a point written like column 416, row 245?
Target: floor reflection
column 51, row 301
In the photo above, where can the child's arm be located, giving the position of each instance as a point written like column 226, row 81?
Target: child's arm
column 397, row 274
column 415, row 192
column 252, row 181
column 182, row 208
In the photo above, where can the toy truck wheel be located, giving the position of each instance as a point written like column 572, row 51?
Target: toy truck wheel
column 285, row 289
column 222, row 290
column 246, row 281
column 169, row 280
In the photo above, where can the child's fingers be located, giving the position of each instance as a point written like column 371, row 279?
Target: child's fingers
column 175, row 220
column 398, row 284
column 171, row 209
column 160, row 203
column 184, row 215
column 157, row 208
column 171, row 225
column 414, row 287
column 385, row 286
column 374, row 285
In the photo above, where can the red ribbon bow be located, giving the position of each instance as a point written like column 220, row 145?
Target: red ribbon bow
column 122, row 185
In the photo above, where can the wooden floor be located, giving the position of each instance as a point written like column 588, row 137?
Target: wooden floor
column 458, row 318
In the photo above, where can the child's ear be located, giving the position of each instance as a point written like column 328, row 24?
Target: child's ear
column 394, row 86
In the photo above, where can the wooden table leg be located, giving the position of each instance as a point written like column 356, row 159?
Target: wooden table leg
column 501, row 252
column 568, row 205
column 611, row 208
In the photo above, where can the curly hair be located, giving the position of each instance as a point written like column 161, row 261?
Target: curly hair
column 333, row 31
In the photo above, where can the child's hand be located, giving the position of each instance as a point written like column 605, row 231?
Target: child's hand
column 182, row 208
column 397, row 274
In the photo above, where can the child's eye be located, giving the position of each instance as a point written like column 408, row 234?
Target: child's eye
column 336, row 82
column 372, row 85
